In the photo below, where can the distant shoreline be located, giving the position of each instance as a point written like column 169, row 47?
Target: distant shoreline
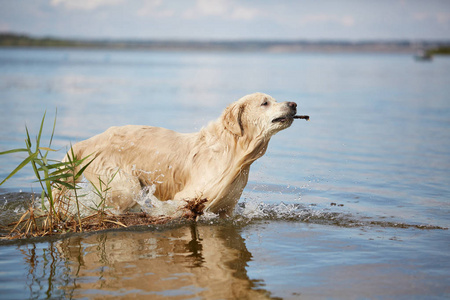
column 327, row 46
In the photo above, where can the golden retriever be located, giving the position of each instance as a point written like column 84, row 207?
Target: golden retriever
column 211, row 164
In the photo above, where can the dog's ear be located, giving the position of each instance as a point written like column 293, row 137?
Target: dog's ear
column 232, row 119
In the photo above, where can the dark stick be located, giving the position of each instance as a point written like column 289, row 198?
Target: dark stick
column 302, row 117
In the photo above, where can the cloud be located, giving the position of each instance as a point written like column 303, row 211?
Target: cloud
column 346, row 20
column 84, row 4
column 220, row 8
column 244, row 13
column 286, row 19
column 420, row 16
column 212, row 7
column 153, row 8
column 442, row 18
column 4, row 27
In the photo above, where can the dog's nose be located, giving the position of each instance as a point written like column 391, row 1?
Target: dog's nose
column 293, row 107
column 292, row 104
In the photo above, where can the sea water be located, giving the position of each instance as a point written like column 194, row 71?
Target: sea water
column 352, row 204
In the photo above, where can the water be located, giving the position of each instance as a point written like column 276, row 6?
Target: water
column 353, row 204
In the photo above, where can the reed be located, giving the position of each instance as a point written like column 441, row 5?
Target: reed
column 50, row 174
column 58, row 182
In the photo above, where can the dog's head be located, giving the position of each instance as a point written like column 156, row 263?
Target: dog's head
column 258, row 115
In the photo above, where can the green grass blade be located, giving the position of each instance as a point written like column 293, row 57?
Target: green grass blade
column 58, row 177
column 84, row 158
column 47, row 149
column 43, row 201
column 44, row 160
column 72, row 157
column 14, row 151
column 80, row 172
column 19, row 167
column 53, row 131
column 38, row 139
column 66, row 184
column 28, row 140
column 33, row 164
column 57, row 166
column 39, row 162
column 48, row 185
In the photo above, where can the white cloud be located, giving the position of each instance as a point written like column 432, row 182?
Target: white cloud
column 420, row 16
column 4, row 27
column 443, row 18
column 348, row 21
column 244, row 13
column 221, row 8
column 84, row 4
column 327, row 18
column 213, row 7
column 153, row 8
column 207, row 8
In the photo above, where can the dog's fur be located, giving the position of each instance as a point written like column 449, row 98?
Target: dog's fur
column 211, row 164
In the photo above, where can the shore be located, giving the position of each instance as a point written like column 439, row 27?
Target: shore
column 387, row 46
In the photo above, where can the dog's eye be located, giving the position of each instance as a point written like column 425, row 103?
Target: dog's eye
column 265, row 103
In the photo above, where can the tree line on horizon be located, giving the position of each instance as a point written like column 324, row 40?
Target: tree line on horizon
column 432, row 47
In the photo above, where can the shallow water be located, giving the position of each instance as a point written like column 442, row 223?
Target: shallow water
column 353, row 204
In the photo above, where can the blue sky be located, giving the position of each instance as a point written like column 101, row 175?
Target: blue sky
column 229, row 19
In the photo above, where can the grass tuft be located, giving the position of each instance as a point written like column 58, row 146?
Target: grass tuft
column 53, row 175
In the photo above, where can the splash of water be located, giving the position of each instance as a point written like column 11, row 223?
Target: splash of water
column 249, row 211
column 90, row 203
column 245, row 212
column 256, row 210
column 153, row 206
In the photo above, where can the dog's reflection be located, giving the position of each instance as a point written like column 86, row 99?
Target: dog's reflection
column 190, row 261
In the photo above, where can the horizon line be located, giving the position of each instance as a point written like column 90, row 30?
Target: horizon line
column 226, row 40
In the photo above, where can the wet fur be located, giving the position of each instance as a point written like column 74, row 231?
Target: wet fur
column 211, row 164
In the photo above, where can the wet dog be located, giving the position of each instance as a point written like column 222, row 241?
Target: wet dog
column 212, row 164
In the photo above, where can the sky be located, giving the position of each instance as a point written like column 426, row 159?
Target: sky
column 229, row 19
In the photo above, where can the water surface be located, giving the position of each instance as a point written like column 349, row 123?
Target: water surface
column 353, row 204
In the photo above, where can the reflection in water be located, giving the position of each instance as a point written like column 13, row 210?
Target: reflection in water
column 47, row 271
column 190, row 261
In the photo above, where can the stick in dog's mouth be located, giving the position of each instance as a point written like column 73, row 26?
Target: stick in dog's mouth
column 302, row 117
